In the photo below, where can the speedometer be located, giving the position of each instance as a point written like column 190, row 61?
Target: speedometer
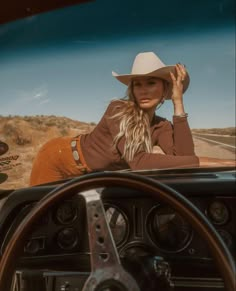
column 118, row 223
column 168, row 230
column 66, row 213
column 218, row 212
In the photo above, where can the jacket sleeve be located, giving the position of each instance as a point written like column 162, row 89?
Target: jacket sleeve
column 175, row 157
column 176, row 139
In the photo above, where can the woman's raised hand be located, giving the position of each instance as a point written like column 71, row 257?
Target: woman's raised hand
column 177, row 90
column 177, row 81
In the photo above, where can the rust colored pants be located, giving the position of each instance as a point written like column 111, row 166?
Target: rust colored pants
column 55, row 161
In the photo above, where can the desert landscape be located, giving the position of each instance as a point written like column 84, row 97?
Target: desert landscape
column 25, row 135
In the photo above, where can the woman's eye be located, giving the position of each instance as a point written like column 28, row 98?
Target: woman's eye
column 137, row 84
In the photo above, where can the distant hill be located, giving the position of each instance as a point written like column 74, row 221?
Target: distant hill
column 30, row 130
column 222, row 131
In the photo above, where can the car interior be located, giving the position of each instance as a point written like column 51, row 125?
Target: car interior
column 158, row 229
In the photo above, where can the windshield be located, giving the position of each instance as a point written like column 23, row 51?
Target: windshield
column 56, row 73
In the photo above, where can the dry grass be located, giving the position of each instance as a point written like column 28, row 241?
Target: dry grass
column 25, row 135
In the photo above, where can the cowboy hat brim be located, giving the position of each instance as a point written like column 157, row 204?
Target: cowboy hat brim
column 162, row 73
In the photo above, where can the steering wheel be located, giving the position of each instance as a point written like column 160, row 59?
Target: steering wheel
column 106, row 269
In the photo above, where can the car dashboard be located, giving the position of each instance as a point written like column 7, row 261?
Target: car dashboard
column 142, row 227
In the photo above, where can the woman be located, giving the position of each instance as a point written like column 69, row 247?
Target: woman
column 125, row 136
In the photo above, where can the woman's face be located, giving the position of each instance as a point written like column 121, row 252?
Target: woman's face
column 148, row 92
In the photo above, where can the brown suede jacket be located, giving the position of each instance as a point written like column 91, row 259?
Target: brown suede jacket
column 174, row 139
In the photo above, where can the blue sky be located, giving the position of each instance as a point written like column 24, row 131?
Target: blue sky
column 60, row 62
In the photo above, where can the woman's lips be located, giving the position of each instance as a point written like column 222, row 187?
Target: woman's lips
column 142, row 100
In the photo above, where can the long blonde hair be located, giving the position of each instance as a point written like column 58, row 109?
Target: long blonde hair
column 134, row 126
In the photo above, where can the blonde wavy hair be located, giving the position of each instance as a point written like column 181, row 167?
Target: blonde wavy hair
column 134, row 126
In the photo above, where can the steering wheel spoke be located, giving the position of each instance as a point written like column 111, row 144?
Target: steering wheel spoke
column 106, row 268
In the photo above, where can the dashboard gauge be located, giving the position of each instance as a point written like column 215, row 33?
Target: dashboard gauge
column 66, row 212
column 67, row 238
column 168, row 230
column 34, row 245
column 227, row 237
column 218, row 212
column 118, row 223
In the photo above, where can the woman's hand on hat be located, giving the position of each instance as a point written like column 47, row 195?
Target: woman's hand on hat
column 177, row 81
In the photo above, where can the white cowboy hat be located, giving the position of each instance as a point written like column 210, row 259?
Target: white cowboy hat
column 149, row 64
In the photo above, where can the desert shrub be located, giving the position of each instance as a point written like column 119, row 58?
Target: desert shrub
column 51, row 123
column 16, row 134
column 22, row 140
column 64, row 131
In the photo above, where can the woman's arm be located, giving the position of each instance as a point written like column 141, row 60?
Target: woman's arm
column 175, row 139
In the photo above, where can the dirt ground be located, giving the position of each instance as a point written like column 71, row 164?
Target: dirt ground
column 203, row 148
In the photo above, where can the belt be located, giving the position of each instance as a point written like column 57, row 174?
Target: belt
column 76, row 156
